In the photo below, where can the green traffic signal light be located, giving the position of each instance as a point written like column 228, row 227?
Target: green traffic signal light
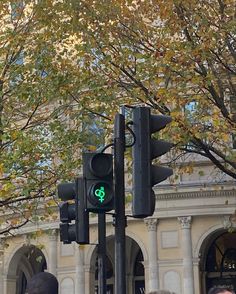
column 98, row 173
column 101, row 193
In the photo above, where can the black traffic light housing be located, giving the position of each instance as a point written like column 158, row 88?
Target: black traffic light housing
column 74, row 218
column 98, row 174
column 67, row 191
column 145, row 149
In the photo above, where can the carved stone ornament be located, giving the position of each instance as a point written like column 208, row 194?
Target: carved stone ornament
column 226, row 221
column 151, row 224
column 185, row 222
column 53, row 235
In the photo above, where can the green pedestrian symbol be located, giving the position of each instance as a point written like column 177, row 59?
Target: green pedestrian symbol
column 100, row 193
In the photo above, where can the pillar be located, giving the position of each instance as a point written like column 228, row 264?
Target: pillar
column 188, row 282
column 79, row 270
column 152, row 254
column 52, row 265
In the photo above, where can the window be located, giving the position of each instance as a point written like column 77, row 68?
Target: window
column 109, row 269
column 139, row 283
column 93, row 133
column 109, row 276
column 220, row 265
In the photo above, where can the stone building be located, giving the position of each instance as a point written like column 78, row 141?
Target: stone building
column 188, row 245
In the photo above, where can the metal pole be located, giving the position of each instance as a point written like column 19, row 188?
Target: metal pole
column 102, row 287
column 120, row 220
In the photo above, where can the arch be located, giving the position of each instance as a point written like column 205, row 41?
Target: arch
column 206, row 236
column 132, row 235
column 138, row 268
column 134, row 247
column 90, row 252
column 140, row 243
column 25, row 268
column 22, row 265
column 110, row 269
column 138, row 273
column 17, row 253
column 211, row 247
column 200, row 251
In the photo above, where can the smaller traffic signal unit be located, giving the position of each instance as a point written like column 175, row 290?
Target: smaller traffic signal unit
column 74, row 217
column 98, row 174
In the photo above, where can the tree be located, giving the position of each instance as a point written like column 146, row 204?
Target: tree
column 179, row 58
column 63, row 60
column 40, row 122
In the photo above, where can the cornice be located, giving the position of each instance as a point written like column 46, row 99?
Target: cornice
column 196, row 194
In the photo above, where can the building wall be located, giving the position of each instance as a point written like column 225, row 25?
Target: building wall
column 172, row 242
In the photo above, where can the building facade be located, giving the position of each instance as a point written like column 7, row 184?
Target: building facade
column 187, row 246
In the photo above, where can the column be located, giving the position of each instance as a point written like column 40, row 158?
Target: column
column 79, row 270
column 152, row 254
column 188, row 283
column 52, row 265
column 1, row 266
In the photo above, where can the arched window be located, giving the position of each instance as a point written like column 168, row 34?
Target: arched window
column 26, row 262
column 109, row 269
column 138, row 266
column 109, row 275
column 139, row 283
column 220, row 266
column 228, row 263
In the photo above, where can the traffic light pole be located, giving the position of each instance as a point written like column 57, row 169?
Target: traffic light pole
column 120, row 220
column 102, row 254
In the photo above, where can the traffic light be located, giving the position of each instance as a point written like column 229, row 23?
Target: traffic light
column 73, row 209
column 98, row 174
column 145, row 149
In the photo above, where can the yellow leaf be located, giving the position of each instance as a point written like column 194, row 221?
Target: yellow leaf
column 1, row 169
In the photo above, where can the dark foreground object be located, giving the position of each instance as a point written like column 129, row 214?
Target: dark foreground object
column 43, row 283
column 216, row 290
